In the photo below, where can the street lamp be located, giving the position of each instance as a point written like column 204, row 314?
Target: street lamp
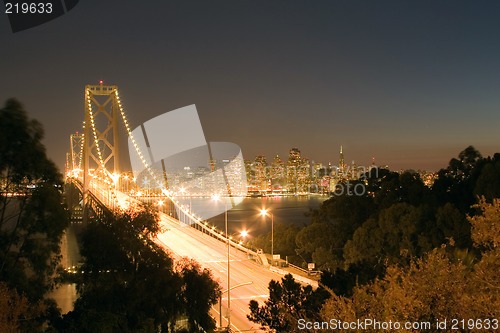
column 217, row 199
column 264, row 213
column 160, row 205
column 243, row 234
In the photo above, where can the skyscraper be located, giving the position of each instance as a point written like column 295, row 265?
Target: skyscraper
column 261, row 174
column 292, row 167
column 277, row 172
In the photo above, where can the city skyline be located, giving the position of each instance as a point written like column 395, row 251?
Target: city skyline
column 333, row 161
column 410, row 84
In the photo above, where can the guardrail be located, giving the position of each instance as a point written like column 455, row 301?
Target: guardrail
column 99, row 195
column 297, row 277
column 211, row 232
column 192, row 219
column 299, row 268
column 205, row 228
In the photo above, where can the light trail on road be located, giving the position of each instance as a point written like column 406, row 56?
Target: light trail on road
column 211, row 253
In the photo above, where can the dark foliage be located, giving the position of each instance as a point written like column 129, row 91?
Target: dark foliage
column 32, row 216
column 129, row 283
column 288, row 301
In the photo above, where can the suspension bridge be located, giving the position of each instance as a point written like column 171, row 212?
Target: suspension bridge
column 93, row 170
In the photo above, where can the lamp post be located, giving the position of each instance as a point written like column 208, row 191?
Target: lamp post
column 217, row 198
column 264, row 213
column 244, row 233
column 228, row 272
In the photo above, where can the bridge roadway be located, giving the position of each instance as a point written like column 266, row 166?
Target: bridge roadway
column 211, row 253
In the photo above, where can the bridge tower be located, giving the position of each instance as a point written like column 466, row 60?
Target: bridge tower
column 74, row 198
column 75, row 155
column 100, row 145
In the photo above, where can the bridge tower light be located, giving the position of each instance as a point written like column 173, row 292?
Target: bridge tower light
column 101, row 149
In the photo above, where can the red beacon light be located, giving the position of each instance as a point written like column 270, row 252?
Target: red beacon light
column 101, row 82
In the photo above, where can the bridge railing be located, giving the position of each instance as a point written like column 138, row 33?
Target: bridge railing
column 194, row 221
column 95, row 199
column 101, row 194
column 100, row 191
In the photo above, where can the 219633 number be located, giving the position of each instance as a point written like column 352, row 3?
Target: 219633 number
column 28, row 8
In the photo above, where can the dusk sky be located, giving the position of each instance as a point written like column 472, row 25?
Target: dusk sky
column 411, row 83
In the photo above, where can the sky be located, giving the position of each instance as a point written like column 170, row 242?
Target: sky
column 409, row 83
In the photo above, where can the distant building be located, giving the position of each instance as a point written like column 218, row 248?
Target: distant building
column 292, row 166
column 298, row 175
column 260, row 172
column 297, row 172
column 277, row 173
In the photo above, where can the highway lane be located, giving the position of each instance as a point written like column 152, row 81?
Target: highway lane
column 184, row 241
column 211, row 253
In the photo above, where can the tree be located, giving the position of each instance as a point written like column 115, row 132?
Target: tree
column 486, row 235
column 288, row 302
column 284, row 241
column 331, row 227
column 451, row 224
column 394, row 188
column 22, row 152
column 433, row 287
column 129, row 284
column 488, row 182
column 456, row 183
column 199, row 293
column 486, row 226
column 324, row 259
column 15, row 309
column 385, row 239
column 315, row 236
column 342, row 281
column 469, row 158
column 428, row 290
column 32, row 216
